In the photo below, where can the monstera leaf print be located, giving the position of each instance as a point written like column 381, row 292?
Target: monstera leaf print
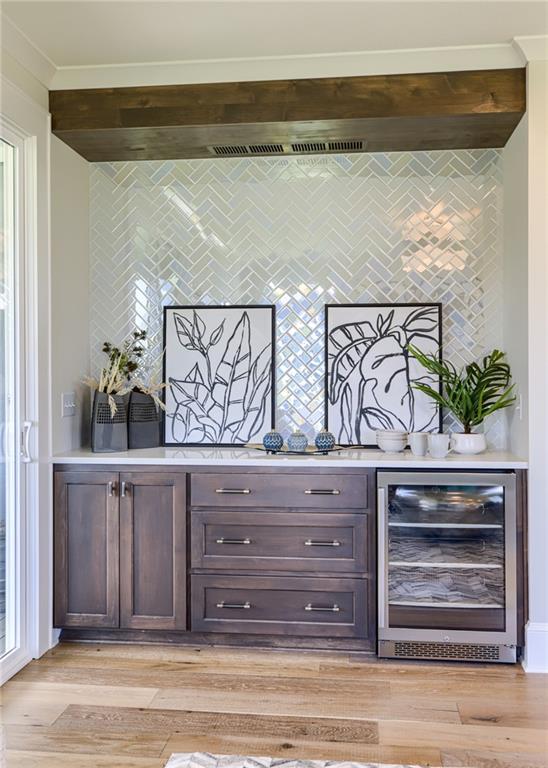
column 224, row 397
column 371, row 372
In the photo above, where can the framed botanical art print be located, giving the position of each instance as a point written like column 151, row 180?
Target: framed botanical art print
column 369, row 372
column 219, row 371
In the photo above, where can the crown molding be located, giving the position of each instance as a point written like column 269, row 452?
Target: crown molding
column 25, row 53
column 361, row 63
column 532, row 47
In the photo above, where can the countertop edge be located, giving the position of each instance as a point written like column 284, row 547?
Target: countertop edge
column 367, row 459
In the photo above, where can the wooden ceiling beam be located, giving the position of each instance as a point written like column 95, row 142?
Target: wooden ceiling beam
column 447, row 110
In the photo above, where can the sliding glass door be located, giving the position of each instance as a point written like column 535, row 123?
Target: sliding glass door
column 13, row 614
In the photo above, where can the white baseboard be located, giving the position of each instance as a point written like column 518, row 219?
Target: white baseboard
column 536, row 647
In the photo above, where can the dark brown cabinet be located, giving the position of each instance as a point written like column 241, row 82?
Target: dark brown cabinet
column 276, row 605
column 286, row 554
column 86, row 549
column 120, row 550
column 152, row 551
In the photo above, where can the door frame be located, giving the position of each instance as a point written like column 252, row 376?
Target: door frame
column 18, row 556
column 26, row 125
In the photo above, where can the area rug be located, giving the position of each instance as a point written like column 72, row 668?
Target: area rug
column 205, row 760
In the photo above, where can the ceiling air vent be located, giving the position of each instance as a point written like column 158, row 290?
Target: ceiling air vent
column 309, row 146
column 266, row 149
column 233, row 151
column 346, row 145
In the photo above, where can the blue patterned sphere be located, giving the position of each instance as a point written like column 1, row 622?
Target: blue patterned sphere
column 297, row 441
column 273, row 441
column 325, row 441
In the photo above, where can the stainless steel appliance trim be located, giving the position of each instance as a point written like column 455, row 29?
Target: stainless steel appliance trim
column 508, row 637
column 382, row 598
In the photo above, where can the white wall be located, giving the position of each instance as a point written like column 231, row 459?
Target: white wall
column 537, row 630
column 515, row 281
column 69, row 292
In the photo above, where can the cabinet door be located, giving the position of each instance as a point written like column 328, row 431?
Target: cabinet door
column 153, row 550
column 86, row 549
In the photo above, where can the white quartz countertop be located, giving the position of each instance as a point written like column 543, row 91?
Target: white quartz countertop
column 249, row 457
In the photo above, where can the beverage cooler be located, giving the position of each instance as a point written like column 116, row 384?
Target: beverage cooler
column 447, row 566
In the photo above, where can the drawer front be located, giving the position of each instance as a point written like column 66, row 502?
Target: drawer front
column 309, row 490
column 279, row 541
column 293, row 606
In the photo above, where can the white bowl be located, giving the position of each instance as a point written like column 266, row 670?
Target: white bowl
column 392, row 447
column 391, row 441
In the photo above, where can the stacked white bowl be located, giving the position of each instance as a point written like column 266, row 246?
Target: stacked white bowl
column 391, row 440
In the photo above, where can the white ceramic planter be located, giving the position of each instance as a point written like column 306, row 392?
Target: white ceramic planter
column 472, row 443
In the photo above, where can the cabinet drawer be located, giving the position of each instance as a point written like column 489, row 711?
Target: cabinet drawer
column 275, row 605
column 279, row 541
column 309, row 490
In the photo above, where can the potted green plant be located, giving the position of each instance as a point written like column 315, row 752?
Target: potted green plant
column 470, row 394
column 109, row 430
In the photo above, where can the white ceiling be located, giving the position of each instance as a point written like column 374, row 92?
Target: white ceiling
column 79, row 34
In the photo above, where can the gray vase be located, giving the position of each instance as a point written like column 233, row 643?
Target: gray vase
column 109, row 433
column 143, row 422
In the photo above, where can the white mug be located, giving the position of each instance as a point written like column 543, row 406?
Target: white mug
column 418, row 442
column 438, row 445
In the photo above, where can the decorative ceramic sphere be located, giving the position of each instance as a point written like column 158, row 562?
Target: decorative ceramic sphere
column 297, row 441
column 325, row 441
column 273, row 441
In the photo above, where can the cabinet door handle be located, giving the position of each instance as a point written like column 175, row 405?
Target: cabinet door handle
column 233, row 490
column 329, row 608
column 312, row 543
column 322, row 492
column 111, row 488
column 125, row 489
column 245, row 605
column 247, row 540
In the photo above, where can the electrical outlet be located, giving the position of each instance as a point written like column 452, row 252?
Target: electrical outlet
column 68, row 404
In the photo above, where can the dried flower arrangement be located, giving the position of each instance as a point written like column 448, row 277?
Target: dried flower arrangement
column 123, row 362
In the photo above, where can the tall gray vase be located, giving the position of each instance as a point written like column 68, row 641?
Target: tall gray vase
column 144, row 421
column 109, row 433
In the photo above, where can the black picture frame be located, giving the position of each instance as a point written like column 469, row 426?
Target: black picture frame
column 437, row 306
column 272, row 368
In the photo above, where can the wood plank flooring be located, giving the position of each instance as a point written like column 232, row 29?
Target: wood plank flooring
column 131, row 706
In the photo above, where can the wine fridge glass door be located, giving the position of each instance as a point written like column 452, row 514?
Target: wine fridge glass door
column 445, row 560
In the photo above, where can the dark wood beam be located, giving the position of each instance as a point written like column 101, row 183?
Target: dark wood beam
column 447, row 110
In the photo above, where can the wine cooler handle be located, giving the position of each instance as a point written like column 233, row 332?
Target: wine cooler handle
column 382, row 599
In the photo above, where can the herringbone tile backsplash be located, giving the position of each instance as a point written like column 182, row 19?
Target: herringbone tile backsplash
column 300, row 232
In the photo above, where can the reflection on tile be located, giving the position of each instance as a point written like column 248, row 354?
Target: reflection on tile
column 300, row 232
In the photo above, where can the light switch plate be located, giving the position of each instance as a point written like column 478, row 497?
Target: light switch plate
column 68, row 404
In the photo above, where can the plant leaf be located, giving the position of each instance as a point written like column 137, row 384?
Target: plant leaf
column 231, row 376
column 183, row 328
column 256, row 395
column 350, row 342
column 198, row 326
column 216, row 334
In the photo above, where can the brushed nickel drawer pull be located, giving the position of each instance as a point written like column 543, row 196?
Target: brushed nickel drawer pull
column 125, row 489
column 312, row 543
column 330, row 608
column 322, row 492
column 247, row 540
column 232, row 490
column 245, row 605
column 111, row 488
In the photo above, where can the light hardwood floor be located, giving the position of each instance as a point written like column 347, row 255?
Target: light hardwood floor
column 122, row 706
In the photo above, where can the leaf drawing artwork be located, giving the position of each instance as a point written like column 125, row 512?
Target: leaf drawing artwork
column 219, row 371
column 370, row 372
